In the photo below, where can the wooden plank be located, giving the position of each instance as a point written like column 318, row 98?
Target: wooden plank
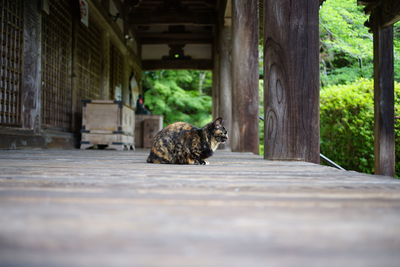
column 384, row 101
column 110, row 208
column 245, row 76
column 291, row 83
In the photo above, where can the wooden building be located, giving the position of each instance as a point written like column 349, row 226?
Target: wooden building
column 55, row 53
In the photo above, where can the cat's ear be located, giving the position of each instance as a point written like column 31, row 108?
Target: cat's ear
column 218, row 121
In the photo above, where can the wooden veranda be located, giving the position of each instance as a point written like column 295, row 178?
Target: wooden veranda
column 54, row 54
column 110, row 208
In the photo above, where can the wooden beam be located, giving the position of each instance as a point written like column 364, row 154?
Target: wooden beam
column 195, row 64
column 174, row 18
column 245, row 76
column 175, row 38
column 390, row 13
column 291, row 83
column 382, row 12
column 384, row 101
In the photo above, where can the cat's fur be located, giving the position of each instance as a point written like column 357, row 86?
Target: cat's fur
column 182, row 143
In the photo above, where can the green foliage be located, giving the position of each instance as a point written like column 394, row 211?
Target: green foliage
column 347, row 116
column 343, row 30
column 179, row 95
column 347, row 45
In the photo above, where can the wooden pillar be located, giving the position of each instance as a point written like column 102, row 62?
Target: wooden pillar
column 105, row 77
column 225, row 83
column 125, row 79
column 76, row 105
column 244, row 133
column 31, row 78
column 215, row 81
column 291, row 83
column 384, row 101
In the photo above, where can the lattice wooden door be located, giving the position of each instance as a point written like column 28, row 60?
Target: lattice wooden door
column 11, row 51
column 56, row 66
column 89, row 62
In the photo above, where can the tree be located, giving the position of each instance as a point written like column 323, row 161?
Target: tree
column 346, row 44
column 179, row 95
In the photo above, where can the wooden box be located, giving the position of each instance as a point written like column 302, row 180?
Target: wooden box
column 107, row 116
column 107, row 123
column 146, row 127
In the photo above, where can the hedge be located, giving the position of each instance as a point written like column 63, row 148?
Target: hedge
column 347, row 117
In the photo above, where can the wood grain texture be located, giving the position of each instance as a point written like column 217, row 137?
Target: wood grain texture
column 31, row 76
column 384, row 101
column 291, row 82
column 109, row 208
column 225, row 82
column 244, row 131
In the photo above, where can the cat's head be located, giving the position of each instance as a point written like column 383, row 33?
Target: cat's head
column 217, row 130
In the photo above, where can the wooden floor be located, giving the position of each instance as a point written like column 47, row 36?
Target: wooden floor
column 109, row 208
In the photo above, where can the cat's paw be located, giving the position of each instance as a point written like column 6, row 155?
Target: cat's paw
column 203, row 162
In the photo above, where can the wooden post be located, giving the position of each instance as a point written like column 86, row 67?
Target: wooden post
column 105, row 79
column 291, row 83
column 76, row 105
column 244, row 133
column 125, row 82
column 225, row 83
column 215, row 81
column 31, row 80
column 384, row 101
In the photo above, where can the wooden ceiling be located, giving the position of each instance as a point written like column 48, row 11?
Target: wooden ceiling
column 172, row 21
column 382, row 12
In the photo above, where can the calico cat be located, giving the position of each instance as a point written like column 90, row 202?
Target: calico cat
column 182, row 143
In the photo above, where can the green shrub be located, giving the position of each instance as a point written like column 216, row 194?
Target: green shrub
column 347, row 121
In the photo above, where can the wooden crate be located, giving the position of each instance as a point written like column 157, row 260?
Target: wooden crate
column 107, row 122
column 113, row 141
column 146, row 127
column 107, row 116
